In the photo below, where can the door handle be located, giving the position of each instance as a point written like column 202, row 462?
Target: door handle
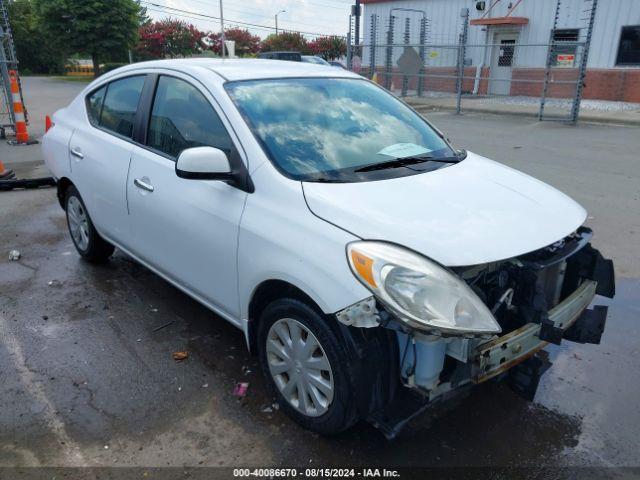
column 143, row 185
column 77, row 153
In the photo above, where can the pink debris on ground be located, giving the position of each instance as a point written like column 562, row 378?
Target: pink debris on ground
column 240, row 390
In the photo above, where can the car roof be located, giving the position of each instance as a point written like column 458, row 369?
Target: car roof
column 247, row 69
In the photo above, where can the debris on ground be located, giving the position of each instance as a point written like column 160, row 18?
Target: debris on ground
column 240, row 390
column 205, row 385
column 14, row 255
column 162, row 326
column 270, row 408
column 179, row 356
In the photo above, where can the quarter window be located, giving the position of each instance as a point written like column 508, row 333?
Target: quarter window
column 629, row 49
column 183, row 118
column 94, row 105
column 121, row 104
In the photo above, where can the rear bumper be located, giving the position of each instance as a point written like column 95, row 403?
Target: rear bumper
column 501, row 354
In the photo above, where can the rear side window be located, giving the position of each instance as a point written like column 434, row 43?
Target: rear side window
column 183, row 118
column 121, row 104
column 94, row 105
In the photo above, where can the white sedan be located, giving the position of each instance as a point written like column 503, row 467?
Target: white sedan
column 374, row 269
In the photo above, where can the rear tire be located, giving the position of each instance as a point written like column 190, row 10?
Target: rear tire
column 88, row 242
column 306, row 367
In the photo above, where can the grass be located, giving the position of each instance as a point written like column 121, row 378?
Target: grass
column 73, row 78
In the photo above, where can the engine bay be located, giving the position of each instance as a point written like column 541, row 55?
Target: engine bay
column 522, row 290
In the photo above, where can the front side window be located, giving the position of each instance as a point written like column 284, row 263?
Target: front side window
column 335, row 129
column 629, row 49
column 121, row 104
column 183, row 118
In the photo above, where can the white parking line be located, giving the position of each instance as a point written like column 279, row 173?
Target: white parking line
column 71, row 453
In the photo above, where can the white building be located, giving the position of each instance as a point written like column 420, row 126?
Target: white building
column 507, row 42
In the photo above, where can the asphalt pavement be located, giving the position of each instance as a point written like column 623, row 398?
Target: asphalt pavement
column 87, row 375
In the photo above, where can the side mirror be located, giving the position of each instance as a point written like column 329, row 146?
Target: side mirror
column 203, row 163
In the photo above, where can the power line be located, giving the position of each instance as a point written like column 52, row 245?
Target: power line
column 228, row 22
column 234, row 9
column 314, row 2
column 213, row 17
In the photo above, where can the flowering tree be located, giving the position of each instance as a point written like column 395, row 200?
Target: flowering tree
column 169, row 38
column 329, row 48
column 285, row 41
column 246, row 43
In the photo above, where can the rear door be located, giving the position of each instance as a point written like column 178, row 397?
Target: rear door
column 100, row 152
column 186, row 229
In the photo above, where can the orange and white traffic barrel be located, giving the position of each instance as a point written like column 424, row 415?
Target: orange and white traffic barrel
column 22, row 137
column 4, row 173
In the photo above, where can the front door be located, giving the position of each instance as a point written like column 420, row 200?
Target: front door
column 186, row 229
column 502, row 63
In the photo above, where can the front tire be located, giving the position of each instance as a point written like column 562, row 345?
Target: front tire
column 306, row 367
column 88, row 242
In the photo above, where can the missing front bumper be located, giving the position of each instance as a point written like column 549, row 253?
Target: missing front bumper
column 567, row 318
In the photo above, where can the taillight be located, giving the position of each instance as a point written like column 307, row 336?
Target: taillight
column 48, row 123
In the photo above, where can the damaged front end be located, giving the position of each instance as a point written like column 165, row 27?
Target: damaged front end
column 538, row 298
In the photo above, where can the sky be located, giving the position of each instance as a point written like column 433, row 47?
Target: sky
column 327, row 17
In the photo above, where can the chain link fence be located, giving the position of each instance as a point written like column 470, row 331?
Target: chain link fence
column 447, row 70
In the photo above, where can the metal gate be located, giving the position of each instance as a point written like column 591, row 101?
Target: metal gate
column 544, row 77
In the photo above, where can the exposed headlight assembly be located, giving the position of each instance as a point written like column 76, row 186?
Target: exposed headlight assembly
column 420, row 292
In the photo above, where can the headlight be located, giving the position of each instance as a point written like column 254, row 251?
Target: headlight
column 419, row 291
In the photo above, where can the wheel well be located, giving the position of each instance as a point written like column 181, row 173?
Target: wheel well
column 63, row 184
column 268, row 292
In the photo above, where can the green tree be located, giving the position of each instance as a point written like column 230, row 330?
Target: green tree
column 35, row 50
column 285, row 41
column 97, row 28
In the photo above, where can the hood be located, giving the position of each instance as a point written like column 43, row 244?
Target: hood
column 473, row 212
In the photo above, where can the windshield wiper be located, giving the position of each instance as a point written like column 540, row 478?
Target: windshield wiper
column 403, row 162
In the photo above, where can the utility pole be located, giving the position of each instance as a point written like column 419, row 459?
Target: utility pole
column 357, row 26
column 281, row 11
column 221, row 31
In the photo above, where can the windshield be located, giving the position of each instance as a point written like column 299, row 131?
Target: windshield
column 328, row 129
